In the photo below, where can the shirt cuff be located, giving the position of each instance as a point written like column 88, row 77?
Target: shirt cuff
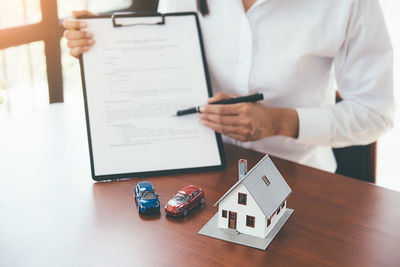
column 315, row 126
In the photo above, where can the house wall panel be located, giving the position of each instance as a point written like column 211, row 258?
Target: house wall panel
column 274, row 220
column 230, row 203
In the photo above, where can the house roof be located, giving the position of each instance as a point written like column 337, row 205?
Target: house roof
column 268, row 198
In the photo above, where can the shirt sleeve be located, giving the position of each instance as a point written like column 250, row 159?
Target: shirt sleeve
column 364, row 76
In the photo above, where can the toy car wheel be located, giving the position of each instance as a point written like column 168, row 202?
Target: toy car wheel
column 185, row 213
column 202, row 201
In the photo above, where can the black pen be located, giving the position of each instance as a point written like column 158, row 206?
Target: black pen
column 233, row 100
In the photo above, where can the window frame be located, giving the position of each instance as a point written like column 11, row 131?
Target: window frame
column 224, row 212
column 250, row 219
column 266, row 180
column 48, row 30
column 245, row 198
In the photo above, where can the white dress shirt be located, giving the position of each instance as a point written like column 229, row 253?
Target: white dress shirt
column 297, row 52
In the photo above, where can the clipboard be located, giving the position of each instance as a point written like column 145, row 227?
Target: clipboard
column 142, row 69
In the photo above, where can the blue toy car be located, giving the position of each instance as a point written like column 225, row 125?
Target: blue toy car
column 146, row 198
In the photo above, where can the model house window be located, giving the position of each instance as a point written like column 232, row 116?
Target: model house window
column 224, row 214
column 268, row 222
column 196, row 193
column 250, row 221
column 242, row 199
column 277, row 212
column 283, row 205
column 266, row 181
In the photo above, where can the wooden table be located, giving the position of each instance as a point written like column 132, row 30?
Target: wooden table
column 53, row 214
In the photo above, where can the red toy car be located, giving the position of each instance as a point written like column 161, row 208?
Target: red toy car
column 186, row 199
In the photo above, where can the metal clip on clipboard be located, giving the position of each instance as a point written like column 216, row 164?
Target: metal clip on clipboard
column 160, row 21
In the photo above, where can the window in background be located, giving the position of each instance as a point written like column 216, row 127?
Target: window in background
column 24, row 69
column 19, row 12
column 30, row 59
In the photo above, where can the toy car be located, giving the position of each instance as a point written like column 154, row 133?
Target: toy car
column 186, row 199
column 146, row 198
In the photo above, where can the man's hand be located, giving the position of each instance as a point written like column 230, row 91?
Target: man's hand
column 79, row 41
column 249, row 121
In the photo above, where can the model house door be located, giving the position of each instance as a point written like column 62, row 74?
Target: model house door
column 232, row 220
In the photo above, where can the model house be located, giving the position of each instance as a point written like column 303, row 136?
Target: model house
column 256, row 202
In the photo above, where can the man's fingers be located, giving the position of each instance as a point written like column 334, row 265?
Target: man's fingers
column 218, row 97
column 76, row 51
column 238, row 133
column 81, row 13
column 220, row 109
column 224, row 120
column 223, row 129
column 74, row 24
column 77, row 35
column 81, row 43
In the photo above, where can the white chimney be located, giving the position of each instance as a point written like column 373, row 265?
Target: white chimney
column 242, row 166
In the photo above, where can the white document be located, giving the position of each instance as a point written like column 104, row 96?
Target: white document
column 136, row 78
